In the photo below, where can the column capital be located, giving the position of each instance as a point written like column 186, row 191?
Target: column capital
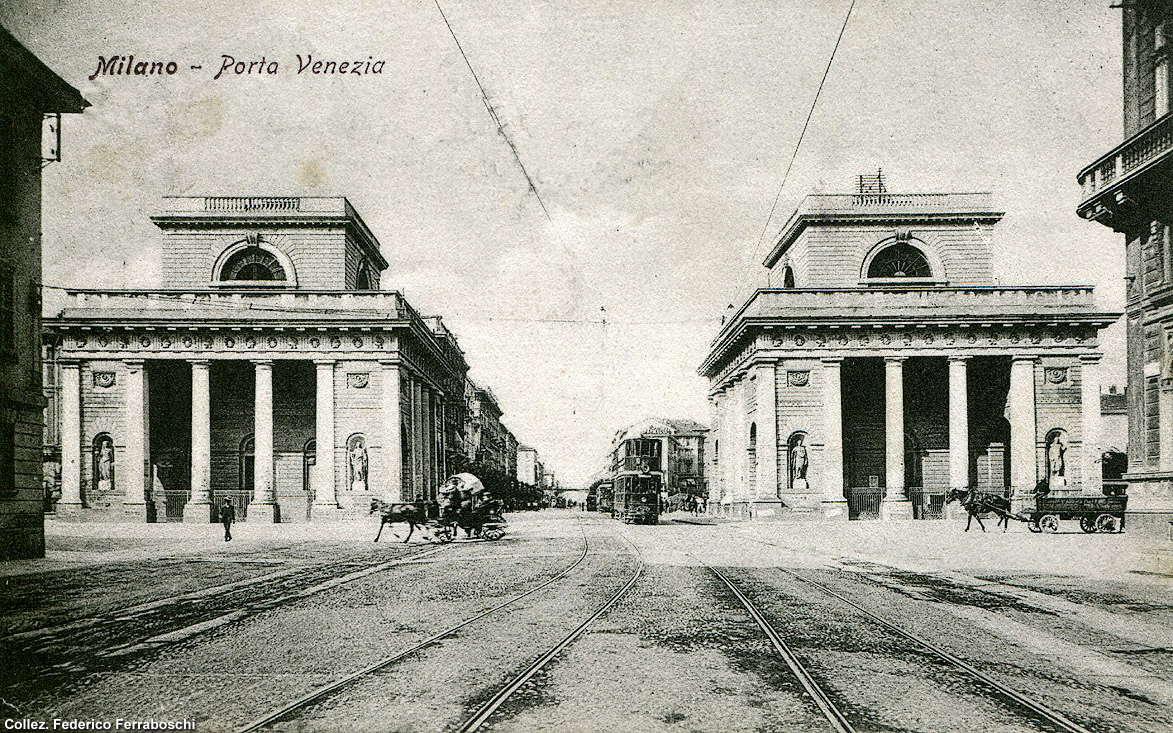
column 831, row 359
column 1090, row 358
column 200, row 362
column 1024, row 357
column 325, row 362
column 262, row 362
column 134, row 363
column 69, row 363
column 962, row 358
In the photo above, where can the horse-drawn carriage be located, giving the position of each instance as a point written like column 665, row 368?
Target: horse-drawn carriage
column 464, row 503
column 1095, row 513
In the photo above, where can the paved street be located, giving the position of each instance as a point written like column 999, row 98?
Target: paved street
column 711, row 626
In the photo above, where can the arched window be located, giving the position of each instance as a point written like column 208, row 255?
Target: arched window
column 309, row 457
column 751, row 454
column 363, row 280
column 252, row 264
column 899, row 260
column 246, row 464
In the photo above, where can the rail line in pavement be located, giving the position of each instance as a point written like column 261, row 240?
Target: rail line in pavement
column 1053, row 717
column 325, row 691
column 828, row 708
column 482, row 715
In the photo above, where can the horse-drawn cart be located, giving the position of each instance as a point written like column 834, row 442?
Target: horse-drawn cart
column 1095, row 513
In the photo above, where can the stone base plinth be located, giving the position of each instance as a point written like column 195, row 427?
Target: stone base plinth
column 74, row 511
column 137, row 510
column 327, row 512
column 767, row 509
column 895, row 509
column 263, row 513
column 198, row 512
column 835, row 511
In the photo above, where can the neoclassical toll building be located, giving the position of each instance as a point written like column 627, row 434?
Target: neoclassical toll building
column 268, row 369
column 890, row 366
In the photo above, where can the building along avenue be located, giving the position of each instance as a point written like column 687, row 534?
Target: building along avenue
column 1130, row 189
column 30, row 95
column 890, row 366
column 269, row 369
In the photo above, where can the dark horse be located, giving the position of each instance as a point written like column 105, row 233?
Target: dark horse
column 413, row 515
column 976, row 503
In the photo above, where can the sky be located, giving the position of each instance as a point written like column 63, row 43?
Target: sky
column 657, row 134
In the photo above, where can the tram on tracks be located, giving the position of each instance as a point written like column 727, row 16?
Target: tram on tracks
column 638, row 481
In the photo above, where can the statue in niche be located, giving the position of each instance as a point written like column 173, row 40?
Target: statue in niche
column 799, row 462
column 358, row 466
column 1057, row 460
column 105, row 463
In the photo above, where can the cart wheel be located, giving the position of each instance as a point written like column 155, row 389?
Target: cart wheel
column 1034, row 525
column 493, row 533
column 445, row 534
column 1087, row 523
column 1049, row 523
column 1108, row 523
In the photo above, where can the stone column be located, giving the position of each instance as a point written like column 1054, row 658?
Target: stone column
column 417, row 432
column 71, row 499
column 830, row 469
column 323, row 478
column 1091, row 449
column 392, row 434
column 263, row 507
column 958, row 423
column 134, row 473
column 1023, row 448
column 199, row 507
column 896, row 504
column 768, row 488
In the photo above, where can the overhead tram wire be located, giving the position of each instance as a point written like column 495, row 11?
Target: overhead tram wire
column 513, row 149
column 794, row 155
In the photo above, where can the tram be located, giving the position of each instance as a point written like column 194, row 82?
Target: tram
column 638, row 466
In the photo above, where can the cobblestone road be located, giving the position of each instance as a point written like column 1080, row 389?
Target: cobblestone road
column 165, row 623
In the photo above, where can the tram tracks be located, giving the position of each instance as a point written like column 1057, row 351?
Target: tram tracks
column 291, row 709
column 833, row 714
column 486, row 710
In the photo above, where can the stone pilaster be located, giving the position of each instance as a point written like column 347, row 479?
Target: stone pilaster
column 766, row 412
column 71, row 498
column 958, row 423
column 1023, row 438
column 896, row 504
column 1091, row 451
column 263, row 507
column 392, row 434
column 199, row 506
column 134, row 464
column 830, row 470
column 323, row 477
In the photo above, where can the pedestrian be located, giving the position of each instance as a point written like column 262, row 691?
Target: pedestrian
column 227, row 517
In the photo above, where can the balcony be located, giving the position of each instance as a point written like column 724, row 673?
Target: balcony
column 1129, row 186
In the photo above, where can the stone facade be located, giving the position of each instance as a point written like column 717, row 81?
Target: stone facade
column 891, row 368
column 268, row 371
column 29, row 91
column 1127, row 189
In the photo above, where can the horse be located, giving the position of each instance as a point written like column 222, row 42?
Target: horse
column 413, row 515
column 976, row 503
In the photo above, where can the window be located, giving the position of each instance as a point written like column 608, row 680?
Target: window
column 252, row 264
column 7, row 458
column 363, row 280
column 1160, row 72
column 7, row 311
column 899, row 260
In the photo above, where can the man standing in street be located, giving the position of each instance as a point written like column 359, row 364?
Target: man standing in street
column 227, row 517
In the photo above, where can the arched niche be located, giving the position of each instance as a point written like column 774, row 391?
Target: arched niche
column 253, row 262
